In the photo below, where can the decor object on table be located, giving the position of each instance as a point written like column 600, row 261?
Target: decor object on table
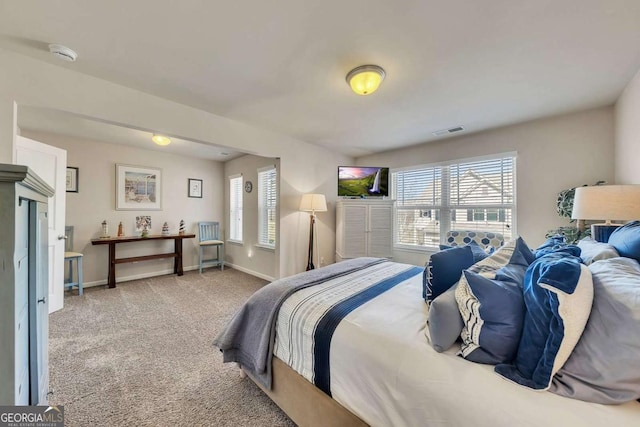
column 120, row 230
column 144, row 232
column 72, row 180
column 564, row 207
column 195, row 188
column 138, row 188
column 606, row 202
column 105, row 230
column 165, row 229
column 181, row 229
column 312, row 203
column 143, row 222
column 365, row 79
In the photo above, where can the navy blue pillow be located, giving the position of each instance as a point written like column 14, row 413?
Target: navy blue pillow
column 443, row 271
column 626, row 240
column 493, row 311
column 478, row 252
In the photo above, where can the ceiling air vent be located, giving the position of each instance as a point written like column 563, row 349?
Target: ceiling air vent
column 448, row 131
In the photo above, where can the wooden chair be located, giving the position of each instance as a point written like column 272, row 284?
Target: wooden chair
column 209, row 235
column 69, row 258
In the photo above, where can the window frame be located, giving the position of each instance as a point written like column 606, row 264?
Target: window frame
column 268, row 172
column 445, row 210
column 236, row 188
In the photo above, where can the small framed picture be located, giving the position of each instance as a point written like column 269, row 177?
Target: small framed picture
column 195, row 188
column 72, row 180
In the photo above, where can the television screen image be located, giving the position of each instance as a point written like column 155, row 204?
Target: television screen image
column 359, row 181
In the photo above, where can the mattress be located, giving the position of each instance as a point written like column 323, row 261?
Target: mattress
column 383, row 369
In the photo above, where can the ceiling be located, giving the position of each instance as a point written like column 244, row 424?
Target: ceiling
column 281, row 65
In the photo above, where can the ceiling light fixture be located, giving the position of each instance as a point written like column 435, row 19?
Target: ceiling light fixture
column 161, row 139
column 63, row 52
column 365, row 79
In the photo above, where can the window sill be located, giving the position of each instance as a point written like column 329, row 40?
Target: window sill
column 265, row 247
column 235, row 242
column 416, row 249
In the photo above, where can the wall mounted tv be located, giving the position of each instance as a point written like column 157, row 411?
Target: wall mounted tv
column 363, row 181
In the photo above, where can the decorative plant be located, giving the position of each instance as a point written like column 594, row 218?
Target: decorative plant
column 564, row 207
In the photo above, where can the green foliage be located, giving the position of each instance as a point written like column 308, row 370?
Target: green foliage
column 571, row 234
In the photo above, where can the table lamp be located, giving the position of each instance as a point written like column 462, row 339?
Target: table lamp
column 608, row 203
column 312, row 203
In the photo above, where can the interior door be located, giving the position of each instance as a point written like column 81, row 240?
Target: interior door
column 50, row 163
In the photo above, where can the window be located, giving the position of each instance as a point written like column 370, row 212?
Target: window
column 469, row 195
column 267, row 202
column 235, row 208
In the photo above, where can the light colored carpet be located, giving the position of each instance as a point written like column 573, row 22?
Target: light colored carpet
column 142, row 355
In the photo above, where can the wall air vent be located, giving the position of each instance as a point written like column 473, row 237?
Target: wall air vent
column 448, row 131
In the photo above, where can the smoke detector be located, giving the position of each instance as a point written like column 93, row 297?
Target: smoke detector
column 63, row 52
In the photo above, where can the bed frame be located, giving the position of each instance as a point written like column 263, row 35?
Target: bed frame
column 303, row 402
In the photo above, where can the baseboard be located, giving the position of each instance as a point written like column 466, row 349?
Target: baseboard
column 170, row 271
column 137, row 276
column 251, row 272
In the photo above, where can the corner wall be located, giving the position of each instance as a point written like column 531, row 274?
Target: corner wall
column 95, row 201
column 552, row 154
column 627, row 134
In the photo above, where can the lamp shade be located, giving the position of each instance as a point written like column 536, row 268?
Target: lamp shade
column 607, row 202
column 313, row 203
column 366, row 79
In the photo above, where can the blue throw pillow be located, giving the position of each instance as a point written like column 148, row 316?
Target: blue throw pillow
column 478, row 252
column 558, row 294
column 443, row 271
column 626, row 240
column 493, row 314
column 445, row 322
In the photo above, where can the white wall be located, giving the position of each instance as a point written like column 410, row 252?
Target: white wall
column 553, row 154
column 304, row 167
column 95, row 201
column 260, row 261
column 627, row 134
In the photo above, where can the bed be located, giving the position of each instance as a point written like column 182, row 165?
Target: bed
column 335, row 352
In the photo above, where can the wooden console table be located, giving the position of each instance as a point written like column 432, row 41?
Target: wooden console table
column 113, row 241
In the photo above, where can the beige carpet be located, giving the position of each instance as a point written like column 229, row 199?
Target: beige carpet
column 141, row 355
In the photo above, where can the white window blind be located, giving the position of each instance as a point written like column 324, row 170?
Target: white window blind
column 474, row 195
column 235, row 208
column 267, row 203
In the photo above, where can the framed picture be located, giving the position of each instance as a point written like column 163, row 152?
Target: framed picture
column 72, row 180
column 195, row 188
column 138, row 188
column 143, row 222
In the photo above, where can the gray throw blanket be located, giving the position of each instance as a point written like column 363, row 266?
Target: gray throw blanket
column 249, row 337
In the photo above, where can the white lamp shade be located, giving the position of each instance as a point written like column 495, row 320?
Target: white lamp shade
column 607, row 202
column 313, row 203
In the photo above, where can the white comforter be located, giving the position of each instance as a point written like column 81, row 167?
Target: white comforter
column 384, row 370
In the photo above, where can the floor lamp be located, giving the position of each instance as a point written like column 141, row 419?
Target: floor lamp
column 312, row 203
column 606, row 202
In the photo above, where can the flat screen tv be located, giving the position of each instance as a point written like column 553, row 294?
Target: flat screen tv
column 363, row 181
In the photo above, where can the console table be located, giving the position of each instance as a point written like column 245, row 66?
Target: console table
column 113, row 241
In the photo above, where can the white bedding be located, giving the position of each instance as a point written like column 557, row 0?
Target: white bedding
column 384, row 370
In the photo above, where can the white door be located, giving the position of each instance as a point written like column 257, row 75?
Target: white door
column 50, row 163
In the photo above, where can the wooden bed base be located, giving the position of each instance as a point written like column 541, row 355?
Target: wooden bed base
column 304, row 403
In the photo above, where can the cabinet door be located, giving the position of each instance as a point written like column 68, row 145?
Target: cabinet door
column 355, row 231
column 380, row 241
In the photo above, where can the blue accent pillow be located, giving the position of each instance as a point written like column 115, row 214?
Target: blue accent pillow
column 443, row 271
column 626, row 240
column 445, row 322
column 478, row 252
column 558, row 294
column 493, row 314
